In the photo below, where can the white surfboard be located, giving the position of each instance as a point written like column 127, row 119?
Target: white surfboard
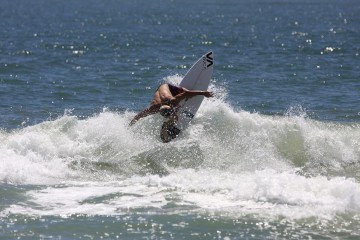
column 197, row 78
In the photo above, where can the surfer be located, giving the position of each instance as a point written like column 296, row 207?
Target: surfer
column 166, row 100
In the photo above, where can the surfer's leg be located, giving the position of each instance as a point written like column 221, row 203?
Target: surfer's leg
column 169, row 131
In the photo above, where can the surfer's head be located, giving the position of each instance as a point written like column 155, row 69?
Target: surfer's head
column 166, row 111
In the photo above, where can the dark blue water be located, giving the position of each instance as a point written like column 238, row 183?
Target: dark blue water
column 84, row 56
column 274, row 155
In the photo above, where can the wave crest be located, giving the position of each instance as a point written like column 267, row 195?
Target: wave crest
column 103, row 146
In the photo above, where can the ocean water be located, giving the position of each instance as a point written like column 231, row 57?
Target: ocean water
column 274, row 155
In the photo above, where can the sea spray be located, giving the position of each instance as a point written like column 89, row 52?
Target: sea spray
column 218, row 138
column 229, row 161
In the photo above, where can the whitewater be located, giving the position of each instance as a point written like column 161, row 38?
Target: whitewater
column 228, row 161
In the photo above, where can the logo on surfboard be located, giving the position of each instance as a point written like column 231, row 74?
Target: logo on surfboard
column 208, row 60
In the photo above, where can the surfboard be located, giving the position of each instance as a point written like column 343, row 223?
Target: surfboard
column 197, row 78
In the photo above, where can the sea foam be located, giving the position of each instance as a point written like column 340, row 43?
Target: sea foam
column 228, row 160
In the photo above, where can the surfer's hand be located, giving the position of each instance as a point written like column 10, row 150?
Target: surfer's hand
column 132, row 122
column 208, row 94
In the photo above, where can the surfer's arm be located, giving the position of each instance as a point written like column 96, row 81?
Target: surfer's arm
column 189, row 94
column 148, row 111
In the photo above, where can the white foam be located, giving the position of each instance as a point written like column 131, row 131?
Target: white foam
column 268, row 193
column 230, row 161
column 230, row 140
